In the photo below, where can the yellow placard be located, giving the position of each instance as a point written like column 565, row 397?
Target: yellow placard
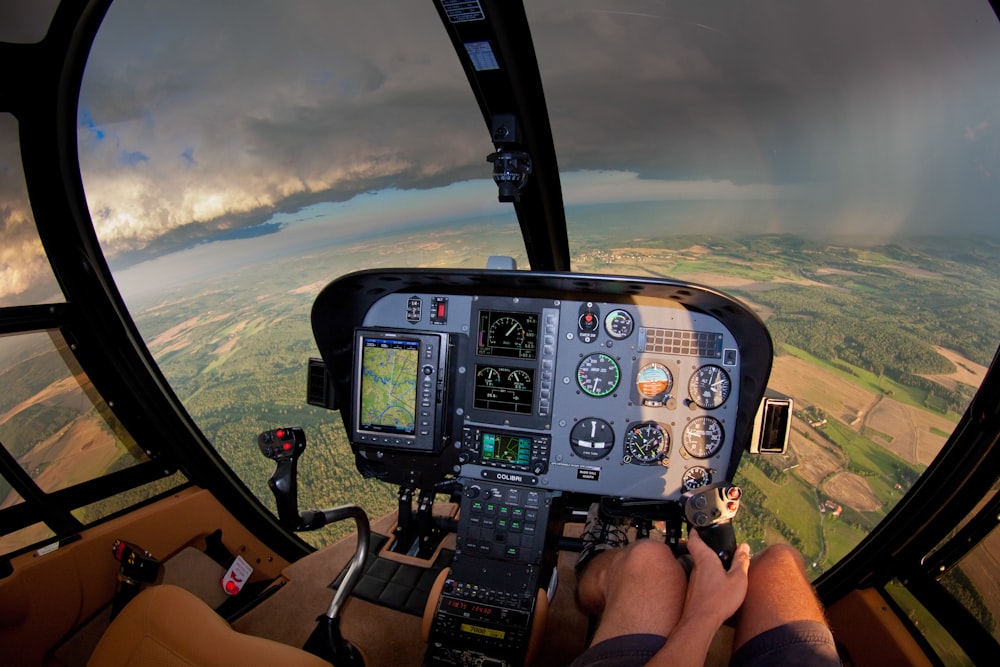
column 485, row 632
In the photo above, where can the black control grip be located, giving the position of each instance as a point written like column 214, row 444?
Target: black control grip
column 283, row 446
column 721, row 538
column 280, row 444
column 710, row 510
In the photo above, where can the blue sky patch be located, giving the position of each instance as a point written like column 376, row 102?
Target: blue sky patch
column 133, row 158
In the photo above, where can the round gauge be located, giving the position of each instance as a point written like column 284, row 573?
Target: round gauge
column 592, row 438
column 696, row 477
column 646, row 443
column 703, row 437
column 598, row 374
column 654, row 381
column 488, row 375
column 619, row 324
column 519, row 379
column 506, row 332
column 709, row 386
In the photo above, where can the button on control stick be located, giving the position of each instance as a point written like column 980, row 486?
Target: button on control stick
column 710, row 510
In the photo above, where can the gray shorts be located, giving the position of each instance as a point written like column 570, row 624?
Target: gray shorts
column 798, row 644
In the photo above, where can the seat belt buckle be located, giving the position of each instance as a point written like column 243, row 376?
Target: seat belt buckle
column 236, row 576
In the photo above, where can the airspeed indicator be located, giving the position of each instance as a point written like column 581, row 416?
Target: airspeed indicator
column 598, row 374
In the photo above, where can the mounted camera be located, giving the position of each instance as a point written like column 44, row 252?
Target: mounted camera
column 511, row 165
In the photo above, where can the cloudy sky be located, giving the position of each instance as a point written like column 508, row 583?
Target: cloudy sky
column 202, row 117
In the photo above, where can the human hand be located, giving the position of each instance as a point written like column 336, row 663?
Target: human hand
column 712, row 592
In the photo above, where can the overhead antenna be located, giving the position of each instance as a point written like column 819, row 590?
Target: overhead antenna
column 511, row 164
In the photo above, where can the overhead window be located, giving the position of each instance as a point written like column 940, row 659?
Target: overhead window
column 25, row 274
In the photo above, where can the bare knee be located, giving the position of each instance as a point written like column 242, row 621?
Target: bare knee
column 645, row 557
column 645, row 571
column 779, row 592
column 619, row 570
column 779, row 560
column 778, row 577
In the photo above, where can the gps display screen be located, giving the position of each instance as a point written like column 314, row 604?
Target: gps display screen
column 389, row 368
column 506, row 448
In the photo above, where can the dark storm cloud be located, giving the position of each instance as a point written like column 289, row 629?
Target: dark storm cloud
column 198, row 117
column 25, row 276
column 289, row 105
column 767, row 91
column 267, row 107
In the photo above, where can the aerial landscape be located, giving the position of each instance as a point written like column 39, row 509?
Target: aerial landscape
column 872, row 342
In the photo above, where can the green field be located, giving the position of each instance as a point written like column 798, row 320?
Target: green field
column 235, row 348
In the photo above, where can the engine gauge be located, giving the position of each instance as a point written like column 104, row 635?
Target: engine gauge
column 519, row 379
column 506, row 332
column 646, row 443
column 619, row 324
column 696, row 477
column 488, row 375
column 598, row 374
column 592, row 438
column 709, row 386
column 703, row 437
column 654, row 382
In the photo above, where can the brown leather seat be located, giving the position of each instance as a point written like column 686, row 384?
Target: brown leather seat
column 167, row 626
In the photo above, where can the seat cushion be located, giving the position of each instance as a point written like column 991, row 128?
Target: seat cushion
column 166, row 626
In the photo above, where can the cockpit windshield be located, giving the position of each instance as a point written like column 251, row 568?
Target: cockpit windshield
column 833, row 166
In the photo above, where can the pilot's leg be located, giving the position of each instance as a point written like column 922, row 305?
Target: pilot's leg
column 636, row 590
column 781, row 620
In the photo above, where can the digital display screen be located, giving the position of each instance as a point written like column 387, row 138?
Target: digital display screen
column 504, row 388
column 472, row 610
column 481, row 631
column 507, row 334
column 506, row 449
column 388, row 391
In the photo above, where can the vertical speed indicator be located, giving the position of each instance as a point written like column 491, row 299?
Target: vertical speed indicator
column 703, row 437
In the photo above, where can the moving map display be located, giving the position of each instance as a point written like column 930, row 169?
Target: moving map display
column 388, row 385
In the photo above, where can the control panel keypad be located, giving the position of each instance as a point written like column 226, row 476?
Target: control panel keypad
column 503, row 522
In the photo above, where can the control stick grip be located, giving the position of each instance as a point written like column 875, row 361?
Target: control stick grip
column 722, row 539
column 710, row 510
column 284, row 446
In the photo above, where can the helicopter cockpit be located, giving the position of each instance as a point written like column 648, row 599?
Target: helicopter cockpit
column 232, row 228
column 524, row 395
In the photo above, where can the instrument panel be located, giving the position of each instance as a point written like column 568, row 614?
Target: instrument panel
column 557, row 387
